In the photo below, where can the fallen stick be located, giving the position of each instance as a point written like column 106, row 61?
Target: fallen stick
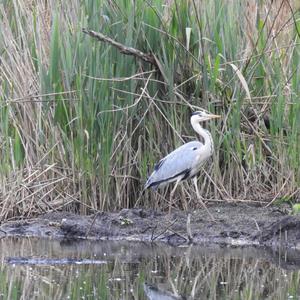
column 149, row 58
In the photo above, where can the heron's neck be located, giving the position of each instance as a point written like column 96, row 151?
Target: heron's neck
column 205, row 134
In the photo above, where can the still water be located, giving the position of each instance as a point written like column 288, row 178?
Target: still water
column 47, row 269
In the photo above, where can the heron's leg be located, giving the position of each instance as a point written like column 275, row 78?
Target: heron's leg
column 172, row 195
column 200, row 198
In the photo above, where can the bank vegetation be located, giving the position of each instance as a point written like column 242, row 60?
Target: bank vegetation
column 82, row 123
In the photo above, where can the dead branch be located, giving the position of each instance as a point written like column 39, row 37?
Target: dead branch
column 149, row 58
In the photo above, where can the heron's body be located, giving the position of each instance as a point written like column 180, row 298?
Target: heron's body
column 181, row 164
column 184, row 162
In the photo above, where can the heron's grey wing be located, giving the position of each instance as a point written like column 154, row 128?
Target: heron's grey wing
column 178, row 164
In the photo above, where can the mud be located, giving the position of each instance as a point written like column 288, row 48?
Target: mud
column 234, row 225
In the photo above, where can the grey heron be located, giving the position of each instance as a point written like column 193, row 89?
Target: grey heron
column 185, row 162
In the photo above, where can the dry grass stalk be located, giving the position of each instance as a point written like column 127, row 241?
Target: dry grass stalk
column 92, row 154
column 277, row 17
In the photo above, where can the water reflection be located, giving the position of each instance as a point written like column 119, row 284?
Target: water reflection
column 144, row 271
column 154, row 293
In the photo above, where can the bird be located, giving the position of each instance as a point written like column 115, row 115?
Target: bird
column 186, row 161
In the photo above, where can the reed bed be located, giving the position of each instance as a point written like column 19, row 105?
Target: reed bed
column 82, row 124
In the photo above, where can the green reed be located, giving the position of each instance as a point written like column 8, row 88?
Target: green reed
column 71, row 110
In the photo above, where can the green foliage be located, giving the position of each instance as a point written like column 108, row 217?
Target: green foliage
column 296, row 209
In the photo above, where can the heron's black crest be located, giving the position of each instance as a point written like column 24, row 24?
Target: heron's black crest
column 197, row 113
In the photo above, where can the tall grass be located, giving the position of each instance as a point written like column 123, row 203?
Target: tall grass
column 82, row 124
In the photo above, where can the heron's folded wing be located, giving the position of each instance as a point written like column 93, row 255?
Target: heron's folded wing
column 178, row 163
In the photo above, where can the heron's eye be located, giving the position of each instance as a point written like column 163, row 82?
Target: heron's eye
column 195, row 148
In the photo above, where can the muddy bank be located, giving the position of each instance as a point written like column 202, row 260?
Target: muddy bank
column 234, row 225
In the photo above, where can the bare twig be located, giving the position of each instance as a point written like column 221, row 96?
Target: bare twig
column 92, row 224
column 149, row 58
column 188, row 228
column 153, row 238
column 256, row 224
column 281, row 189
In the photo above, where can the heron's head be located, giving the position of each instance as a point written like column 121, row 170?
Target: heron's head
column 201, row 116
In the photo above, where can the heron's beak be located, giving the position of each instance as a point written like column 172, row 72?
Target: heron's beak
column 213, row 117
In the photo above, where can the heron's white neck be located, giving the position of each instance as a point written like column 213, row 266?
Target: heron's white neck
column 205, row 134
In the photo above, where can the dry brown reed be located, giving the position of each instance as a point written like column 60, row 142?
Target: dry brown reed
column 82, row 124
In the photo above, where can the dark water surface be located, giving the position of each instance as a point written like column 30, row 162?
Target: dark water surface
column 50, row 269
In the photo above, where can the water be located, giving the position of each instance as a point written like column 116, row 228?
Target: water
column 144, row 271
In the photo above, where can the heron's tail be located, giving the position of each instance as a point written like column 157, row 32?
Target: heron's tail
column 146, row 186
